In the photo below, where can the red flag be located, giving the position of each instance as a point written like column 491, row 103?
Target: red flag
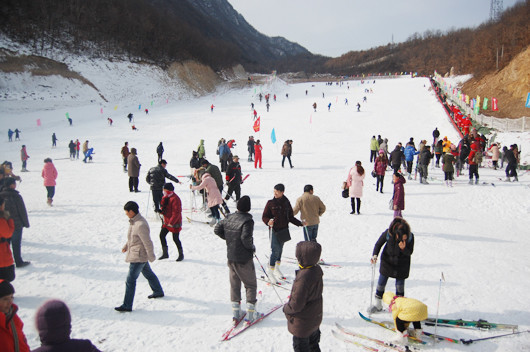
column 494, row 106
column 256, row 124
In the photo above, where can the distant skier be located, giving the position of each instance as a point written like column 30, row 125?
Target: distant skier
column 147, row 111
column 160, row 151
column 109, row 121
column 24, row 157
column 329, row 107
column 257, row 157
column 134, row 128
column 315, row 106
column 17, row 134
column 211, row 108
column 130, row 117
column 358, row 107
column 10, row 134
column 268, row 106
column 346, row 101
column 255, row 114
column 70, row 121
column 54, row 140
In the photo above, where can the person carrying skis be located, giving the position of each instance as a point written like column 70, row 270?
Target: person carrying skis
column 233, row 178
column 405, row 311
column 395, row 259
column 304, row 310
column 277, row 215
column 171, row 210
column 238, row 230
column 160, row 151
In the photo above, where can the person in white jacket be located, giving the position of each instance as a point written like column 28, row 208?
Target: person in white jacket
column 139, row 249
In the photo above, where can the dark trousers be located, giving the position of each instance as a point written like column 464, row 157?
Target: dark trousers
column 133, row 183
column 358, row 205
column 288, row 158
column 511, row 170
column 448, row 175
column 379, row 183
column 125, row 163
column 157, row 198
column 16, row 245
column 381, row 284
column 438, row 159
column 51, row 191
column 8, row 273
column 396, row 167
column 473, row 170
column 307, row 344
column 402, row 325
column 409, row 167
column 234, row 186
column 373, row 155
column 176, row 239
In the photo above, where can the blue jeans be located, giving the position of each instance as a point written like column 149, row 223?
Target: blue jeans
column 310, row 233
column 130, row 284
column 276, row 249
column 16, row 244
column 51, row 191
column 381, row 284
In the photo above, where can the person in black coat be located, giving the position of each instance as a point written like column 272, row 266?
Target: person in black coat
column 54, row 324
column 425, row 159
column 160, row 151
column 17, row 210
column 237, row 230
column 72, row 148
column 156, row 177
column 435, row 135
column 395, row 158
column 233, row 178
column 395, row 258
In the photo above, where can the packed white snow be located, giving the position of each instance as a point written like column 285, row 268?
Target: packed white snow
column 477, row 236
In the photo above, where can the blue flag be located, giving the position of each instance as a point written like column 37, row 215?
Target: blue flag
column 528, row 101
column 273, row 136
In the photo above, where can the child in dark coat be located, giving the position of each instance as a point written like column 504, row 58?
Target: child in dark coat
column 304, row 309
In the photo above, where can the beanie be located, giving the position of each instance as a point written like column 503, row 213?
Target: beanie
column 169, row 186
column 6, row 288
column 243, row 205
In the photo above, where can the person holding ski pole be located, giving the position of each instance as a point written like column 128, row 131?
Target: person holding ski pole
column 311, row 209
column 277, row 215
column 395, row 259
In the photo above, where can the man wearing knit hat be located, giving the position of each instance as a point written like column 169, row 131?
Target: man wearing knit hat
column 237, row 229
column 11, row 333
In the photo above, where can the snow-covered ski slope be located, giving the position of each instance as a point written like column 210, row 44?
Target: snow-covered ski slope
column 476, row 235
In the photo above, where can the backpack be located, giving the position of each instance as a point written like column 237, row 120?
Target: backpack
column 477, row 158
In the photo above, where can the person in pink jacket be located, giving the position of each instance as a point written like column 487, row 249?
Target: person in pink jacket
column 49, row 174
column 355, row 185
column 214, row 195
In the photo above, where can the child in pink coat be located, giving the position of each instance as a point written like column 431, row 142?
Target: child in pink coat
column 49, row 174
column 214, row 195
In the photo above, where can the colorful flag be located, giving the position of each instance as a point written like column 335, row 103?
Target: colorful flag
column 38, row 122
column 139, row 106
column 478, row 100
column 67, row 115
column 477, row 108
column 528, row 101
column 257, row 124
column 467, row 99
column 485, row 104
column 494, row 106
column 273, row 136
column 101, row 110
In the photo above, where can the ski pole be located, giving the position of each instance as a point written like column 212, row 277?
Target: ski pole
column 468, row 342
column 265, row 272
column 372, row 284
column 438, row 306
column 147, row 206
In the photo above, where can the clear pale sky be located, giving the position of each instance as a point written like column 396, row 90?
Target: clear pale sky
column 334, row 27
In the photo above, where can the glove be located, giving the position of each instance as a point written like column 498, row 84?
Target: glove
column 158, row 211
column 373, row 260
column 253, row 249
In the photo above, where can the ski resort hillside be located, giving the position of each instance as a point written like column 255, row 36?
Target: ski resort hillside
column 470, row 241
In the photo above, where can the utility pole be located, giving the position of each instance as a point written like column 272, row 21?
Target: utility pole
column 496, row 8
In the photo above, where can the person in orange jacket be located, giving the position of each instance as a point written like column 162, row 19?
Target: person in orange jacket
column 7, row 226
column 12, row 337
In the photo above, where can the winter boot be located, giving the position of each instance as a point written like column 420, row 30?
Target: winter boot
column 416, row 333
column 252, row 315
column 451, row 183
column 49, row 201
column 376, row 307
column 181, row 253
column 236, row 312
column 277, row 272
column 399, row 338
column 425, row 181
column 515, row 179
column 213, row 222
column 447, row 183
column 410, row 177
column 476, row 181
column 164, row 254
column 271, row 276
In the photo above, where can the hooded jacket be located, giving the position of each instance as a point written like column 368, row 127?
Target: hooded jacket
column 395, row 262
column 304, row 310
column 7, row 226
column 6, row 332
column 237, row 229
column 53, row 321
column 49, row 174
column 406, row 309
column 16, row 207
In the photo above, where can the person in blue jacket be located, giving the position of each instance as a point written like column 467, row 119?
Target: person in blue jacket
column 410, row 151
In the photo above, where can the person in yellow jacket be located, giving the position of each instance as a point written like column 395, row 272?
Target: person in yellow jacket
column 446, row 144
column 405, row 311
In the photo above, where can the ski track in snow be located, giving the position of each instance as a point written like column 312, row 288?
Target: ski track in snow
column 476, row 235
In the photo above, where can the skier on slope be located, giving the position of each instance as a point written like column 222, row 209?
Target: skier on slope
column 395, row 259
column 171, row 210
column 405, row 311
column 238, row 230
column 160, row 151
column 233, row 178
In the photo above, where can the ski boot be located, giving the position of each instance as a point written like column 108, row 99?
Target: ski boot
column 271, row 276
column 400, row 338
column 416, row 333
column 252, row 315
column 236, row 312
column 278, row 273
column 376, row 307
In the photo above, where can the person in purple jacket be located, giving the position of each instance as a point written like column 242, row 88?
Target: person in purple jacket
column 399, row 193
column 54, row 323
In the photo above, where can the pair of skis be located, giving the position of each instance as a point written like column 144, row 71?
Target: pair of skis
column 320, row 262
column 238, row 329
column 344, row 335
column 469, row 324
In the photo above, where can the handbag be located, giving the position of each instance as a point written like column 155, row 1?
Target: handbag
column 374, row 174
column 283, row 235
column 345, row 193
column 391, row 204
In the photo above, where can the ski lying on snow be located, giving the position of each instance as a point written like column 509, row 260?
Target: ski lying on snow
column 248, row 325
column 439, row 337
column 197, row 221
column 320, row 262
column 357, row 343
column 412, row 339
column 476, row 324
column 271, row 284
column 235, row 323
column 376, row 341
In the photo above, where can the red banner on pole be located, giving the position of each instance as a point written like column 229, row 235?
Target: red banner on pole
column 494, row 106
column 257, row 124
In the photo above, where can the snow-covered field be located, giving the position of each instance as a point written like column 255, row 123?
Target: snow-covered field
column 477, row 236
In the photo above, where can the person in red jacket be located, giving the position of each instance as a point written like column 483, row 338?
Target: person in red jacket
column 12, row 337
column 473, row 166
column 466, row 124
column 7, row 226
column 257, row 154
column 171, row 209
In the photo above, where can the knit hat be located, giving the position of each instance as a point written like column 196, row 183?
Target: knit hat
column 6, row 288
column 388, row 297
column 243, row 205
column 54, row 323
column 169, row 186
